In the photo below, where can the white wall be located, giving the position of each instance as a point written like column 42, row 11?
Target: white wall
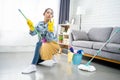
column 13, row 28
column 99, row 13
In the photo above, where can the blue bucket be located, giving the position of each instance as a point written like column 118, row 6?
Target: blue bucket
column 77, row 58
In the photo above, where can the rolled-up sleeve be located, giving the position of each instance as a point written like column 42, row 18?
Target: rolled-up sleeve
column 32, row 33
column 38, row 28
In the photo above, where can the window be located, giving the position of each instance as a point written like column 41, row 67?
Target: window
column 12, row 22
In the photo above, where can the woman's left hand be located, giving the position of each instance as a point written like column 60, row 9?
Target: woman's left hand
column 51, row 26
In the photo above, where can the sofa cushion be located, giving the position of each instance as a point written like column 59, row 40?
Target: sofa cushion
column 79, row 35
column 116, row 37
column 110, row 47
column 84, row 44
column 99, row 34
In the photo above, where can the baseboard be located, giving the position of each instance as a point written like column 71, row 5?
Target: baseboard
column 101, row 58
column 17, row 48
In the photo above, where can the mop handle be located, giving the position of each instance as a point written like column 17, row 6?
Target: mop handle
column 99, row 51
column 22, row 14
column 40, row 37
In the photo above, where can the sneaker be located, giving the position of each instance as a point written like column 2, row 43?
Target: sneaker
column 47, row 63
column 31, row 68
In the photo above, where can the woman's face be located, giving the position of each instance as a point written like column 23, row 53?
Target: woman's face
column 48, row 14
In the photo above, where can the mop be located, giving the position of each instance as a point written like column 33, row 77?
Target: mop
column 87, row 66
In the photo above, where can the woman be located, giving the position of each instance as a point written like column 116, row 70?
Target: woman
column 41, row 27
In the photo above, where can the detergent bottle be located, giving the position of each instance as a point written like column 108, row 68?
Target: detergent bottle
column 70, row 54
column 77, row 57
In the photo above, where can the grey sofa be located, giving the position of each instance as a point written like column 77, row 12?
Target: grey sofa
column 91, row 42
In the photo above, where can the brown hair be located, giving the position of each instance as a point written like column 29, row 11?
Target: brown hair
column 48, row 9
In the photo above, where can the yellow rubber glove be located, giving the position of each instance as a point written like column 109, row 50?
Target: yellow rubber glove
column 51, row 26
column 30, row 24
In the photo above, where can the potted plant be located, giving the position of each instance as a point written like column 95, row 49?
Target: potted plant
column 60, row 38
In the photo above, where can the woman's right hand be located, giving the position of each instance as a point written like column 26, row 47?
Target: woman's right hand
column 30, row 24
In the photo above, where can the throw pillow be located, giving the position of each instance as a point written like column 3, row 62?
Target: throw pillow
column 116, row 37
column 100, row 34
column 79, row 35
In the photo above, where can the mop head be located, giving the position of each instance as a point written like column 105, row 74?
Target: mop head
column 88, row 68
column 48, row 49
